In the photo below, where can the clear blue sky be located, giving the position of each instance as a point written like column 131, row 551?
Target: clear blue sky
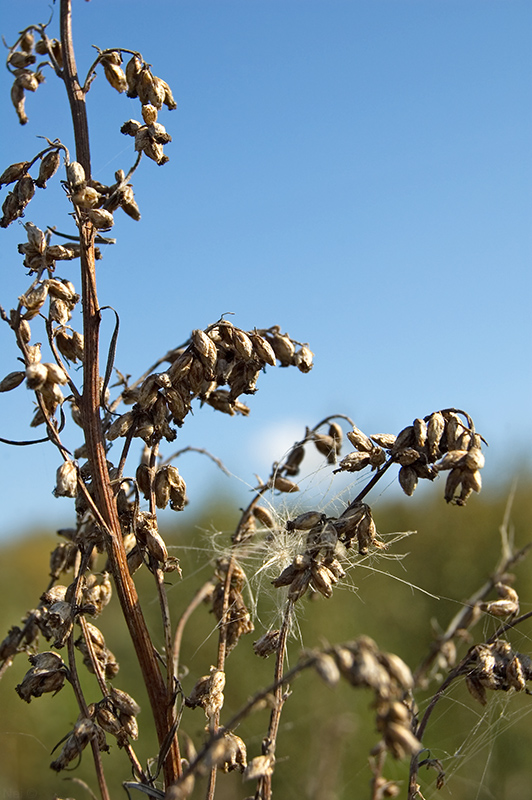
column 358, row 172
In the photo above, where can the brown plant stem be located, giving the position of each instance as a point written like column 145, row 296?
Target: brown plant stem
column 282, row 691
column 104, row 496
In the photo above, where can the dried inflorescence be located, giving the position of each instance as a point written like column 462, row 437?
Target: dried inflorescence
column 498, row 667
column 441, row 441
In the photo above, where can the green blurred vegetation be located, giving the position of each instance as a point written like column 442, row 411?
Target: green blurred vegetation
column 326, row 734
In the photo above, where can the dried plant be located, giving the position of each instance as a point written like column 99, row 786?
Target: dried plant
column 116, row 530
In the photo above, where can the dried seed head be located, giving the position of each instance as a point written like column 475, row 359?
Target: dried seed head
column 354, row 462
column 327, row 668
column 128, row 203
column 205, row 349
column 303, row 359
column 385, row 440
column 306, row 521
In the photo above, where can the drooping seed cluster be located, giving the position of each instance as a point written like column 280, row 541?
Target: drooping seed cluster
column 497, row 667
column 221, row 356
column 20, row 62
column 441, row 441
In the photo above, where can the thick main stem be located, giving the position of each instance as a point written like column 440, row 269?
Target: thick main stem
column 104, row 497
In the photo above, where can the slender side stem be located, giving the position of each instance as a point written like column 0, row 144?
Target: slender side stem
column 126, row 590
column 264, row 790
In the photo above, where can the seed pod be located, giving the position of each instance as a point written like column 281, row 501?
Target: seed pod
column 133, row 70
column 408, row 480
column 149, row 113
column 11, row 381
column 115, row 75
column 36, row 376
column 156, row 545
column 59, row 311
column 48, row 167
column 66, row 480
column 359, row 440
column 86, row 197
column 385, row 440
column 128, row 203
column 283, row 348
column 75, row 175
column 267, row 644
column 325, row 445
column 168, row 100
column 306, row 521
column 259, row 767
column 323, row 580
column 327, row 668
column 24, row 190
column 20, row 60
column 18, row 98
column 407, row 456
column 262, row 349
column 205, row 348
column 474, row 459
column 101, row 219
column 55, row 374
column 120, row 426
column 283, row 484
column 353, row 462
column 303, row 359
column 27, row 41
column 435, row 429
column 13, row 172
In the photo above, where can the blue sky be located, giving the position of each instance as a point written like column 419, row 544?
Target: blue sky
column 357, row 172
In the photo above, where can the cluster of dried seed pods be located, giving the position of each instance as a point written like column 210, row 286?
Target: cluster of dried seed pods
column 497, row 667
column 440, row 441
column 362, row 664
column 236, row 618
column 223, row 355
column 16, row 201
column 20, row 62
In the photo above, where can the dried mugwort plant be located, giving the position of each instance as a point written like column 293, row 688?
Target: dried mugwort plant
column 116, row 531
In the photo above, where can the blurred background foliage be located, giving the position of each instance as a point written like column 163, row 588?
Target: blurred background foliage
column 326, row 734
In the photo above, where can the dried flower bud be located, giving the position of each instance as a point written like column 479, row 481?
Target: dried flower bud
column 149, row 113
column 128, row 203
column 435, row 429
column 353, row 462
column 327, row 668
